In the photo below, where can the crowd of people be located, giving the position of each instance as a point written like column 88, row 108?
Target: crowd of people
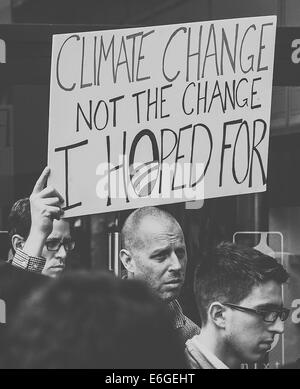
column 92, row 319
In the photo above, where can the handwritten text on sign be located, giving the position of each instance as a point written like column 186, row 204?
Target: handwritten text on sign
column 160, row 114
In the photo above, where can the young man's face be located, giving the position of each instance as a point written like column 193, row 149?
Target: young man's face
column 56, row 260
column 248, row 337
column 160, row 258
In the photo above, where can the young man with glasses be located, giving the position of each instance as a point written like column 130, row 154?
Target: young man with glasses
column 40, row 239
column 239, row 298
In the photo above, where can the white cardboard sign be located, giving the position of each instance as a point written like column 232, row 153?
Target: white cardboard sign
column 162, row 114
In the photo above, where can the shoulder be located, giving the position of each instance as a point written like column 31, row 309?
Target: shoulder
column 192, row 354
column 191, row 360
column 191, row 329
column 185, row 326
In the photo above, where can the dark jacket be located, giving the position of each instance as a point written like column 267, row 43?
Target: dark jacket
column 15, row 286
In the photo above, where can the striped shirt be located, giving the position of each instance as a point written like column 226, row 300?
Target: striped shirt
column 182, row 324
column 26, row 262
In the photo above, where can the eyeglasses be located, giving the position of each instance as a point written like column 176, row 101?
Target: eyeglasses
column 268, row 316
column 55, row 244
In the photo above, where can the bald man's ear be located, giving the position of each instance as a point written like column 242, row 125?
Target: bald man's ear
column 216, row 314
column 127, row 260
column 17, row 242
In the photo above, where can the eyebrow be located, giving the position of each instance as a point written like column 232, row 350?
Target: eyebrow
column 58, row 239
column 162, row 251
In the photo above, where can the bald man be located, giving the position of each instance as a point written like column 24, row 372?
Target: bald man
column 153, row 250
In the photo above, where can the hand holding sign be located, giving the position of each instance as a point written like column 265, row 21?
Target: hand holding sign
column 45, row 206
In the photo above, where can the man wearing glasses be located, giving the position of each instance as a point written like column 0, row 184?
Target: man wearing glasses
column 238, row 295
column 40, row 239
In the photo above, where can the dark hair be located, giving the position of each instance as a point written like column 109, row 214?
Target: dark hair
column 93, row 320
column 229, row 273
column 19, row 219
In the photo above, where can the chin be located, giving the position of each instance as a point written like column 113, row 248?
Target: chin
column 255, row 358
column 261, row 357
column 53, row 272
column 168, row 297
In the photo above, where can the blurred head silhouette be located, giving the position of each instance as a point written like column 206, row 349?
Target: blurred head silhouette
column 85, row 320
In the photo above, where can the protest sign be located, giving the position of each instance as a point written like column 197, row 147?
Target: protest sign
column 162, row 114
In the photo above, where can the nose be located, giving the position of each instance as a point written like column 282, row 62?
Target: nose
column 175, row 263
column 61, row 253
column 277, row 326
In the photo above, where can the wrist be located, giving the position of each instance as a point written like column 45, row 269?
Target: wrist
column 38, row 234
column 35, row 243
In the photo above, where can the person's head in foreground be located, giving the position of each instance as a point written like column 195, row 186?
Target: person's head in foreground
column 153, row 250
column 93, row 320
column 15, row 286
column 57, row 245
column 239, row 298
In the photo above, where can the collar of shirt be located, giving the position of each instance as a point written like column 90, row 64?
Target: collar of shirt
column 27, row 262
column 212, row 358
column 176, row 310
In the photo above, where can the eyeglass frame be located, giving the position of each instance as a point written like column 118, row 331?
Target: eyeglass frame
column 262, row 312
column 62, row 242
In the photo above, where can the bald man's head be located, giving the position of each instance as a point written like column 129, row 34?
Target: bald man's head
column 145, row 216
column 153, row 249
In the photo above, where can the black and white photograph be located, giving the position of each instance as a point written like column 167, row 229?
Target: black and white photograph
column 149, row 187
